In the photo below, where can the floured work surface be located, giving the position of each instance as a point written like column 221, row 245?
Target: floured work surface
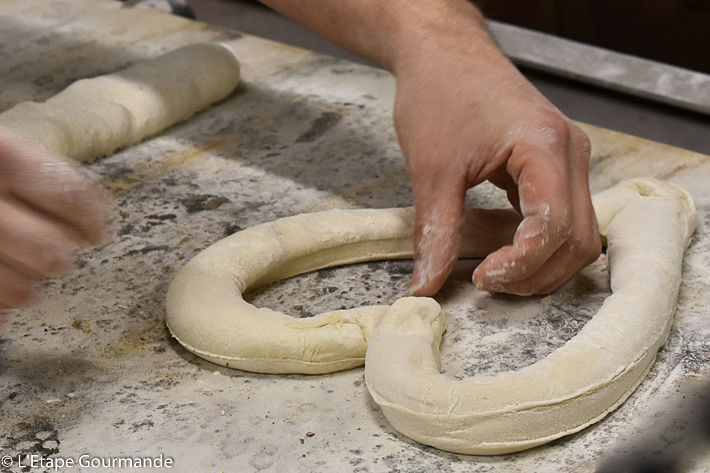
column 93, row 360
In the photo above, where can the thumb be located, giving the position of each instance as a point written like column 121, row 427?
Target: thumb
column 439, row 217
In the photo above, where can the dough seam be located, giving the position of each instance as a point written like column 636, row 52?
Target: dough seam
column 520, row 407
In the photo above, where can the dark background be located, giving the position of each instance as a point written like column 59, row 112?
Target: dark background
column 672, row 31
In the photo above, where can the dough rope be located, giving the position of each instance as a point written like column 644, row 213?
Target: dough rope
column 576, row 385
column 94, row 117
column 206, row 313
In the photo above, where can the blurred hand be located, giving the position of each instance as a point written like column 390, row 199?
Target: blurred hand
column 464, row 114
column 48, row 210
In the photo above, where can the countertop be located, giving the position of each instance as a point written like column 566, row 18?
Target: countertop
column 92, row 369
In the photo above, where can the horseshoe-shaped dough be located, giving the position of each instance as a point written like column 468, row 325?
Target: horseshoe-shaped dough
column 647, row 224
column 206, row 313
column 94, row 117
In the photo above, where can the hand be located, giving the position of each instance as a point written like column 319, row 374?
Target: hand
column 463, row 115
column 48, row 209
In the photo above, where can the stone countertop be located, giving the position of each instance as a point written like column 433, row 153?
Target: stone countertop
column 92, row 369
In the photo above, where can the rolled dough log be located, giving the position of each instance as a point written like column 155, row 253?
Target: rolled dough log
column 647, row 224
column 206, row 313
column 94, row 117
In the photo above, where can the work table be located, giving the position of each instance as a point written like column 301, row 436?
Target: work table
column 91, row 369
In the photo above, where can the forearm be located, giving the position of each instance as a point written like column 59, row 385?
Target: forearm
column 386, row 31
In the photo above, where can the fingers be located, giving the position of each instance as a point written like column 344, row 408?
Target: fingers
column 556, row 271
column 48, row 209
column 439, row 217
column 52, row 185
column 16, row 290
column 558, row 235
column 33, row 244
column 545, row 227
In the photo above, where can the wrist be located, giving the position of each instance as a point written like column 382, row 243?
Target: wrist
column 427, row 30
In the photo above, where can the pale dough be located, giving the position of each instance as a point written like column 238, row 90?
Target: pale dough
column 206, row 313
column 94, row 117
column 571, row 388
column 647, row 225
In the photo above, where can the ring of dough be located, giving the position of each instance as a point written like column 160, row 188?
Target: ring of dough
column 647, row 225
column 571, row 388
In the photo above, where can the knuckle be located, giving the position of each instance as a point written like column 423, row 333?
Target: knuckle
column 564, row 228
column 556, row 123
column 587, row 247
column 553, row 129
column 580, row 138
column 560, row 133
column 581, row 144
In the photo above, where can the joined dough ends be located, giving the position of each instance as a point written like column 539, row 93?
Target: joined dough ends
column 576, row 385
column 205, row 310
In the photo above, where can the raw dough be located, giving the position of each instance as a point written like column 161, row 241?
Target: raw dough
column 647, row 224
column 207, row 314
column 94, row 117
column 575, row 386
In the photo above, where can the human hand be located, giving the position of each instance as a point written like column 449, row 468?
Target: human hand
column 48, row 209
column 464, row 115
